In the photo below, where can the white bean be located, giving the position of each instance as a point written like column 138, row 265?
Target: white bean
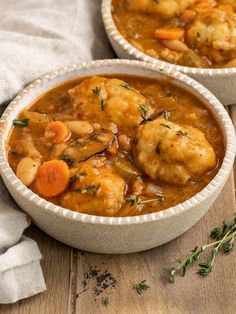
column 175, row 45
column 80, row 128
column 26, row 170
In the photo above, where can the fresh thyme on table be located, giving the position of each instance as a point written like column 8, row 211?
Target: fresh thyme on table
column 105, row 301
column 224, row 242
column 141, row 286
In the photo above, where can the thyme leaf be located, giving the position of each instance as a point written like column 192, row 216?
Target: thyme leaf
column 144, row 109
column 127, row 86
column 105, row 301
column 166, row 125
column 97, row 90
column 67, row 159
column 141, row 286
column 20, row 122
column 103, row 104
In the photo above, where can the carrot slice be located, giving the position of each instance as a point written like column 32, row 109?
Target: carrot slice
column 52, row 178
column 169, row 33
column 57, row 131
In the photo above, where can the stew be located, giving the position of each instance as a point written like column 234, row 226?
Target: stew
column 118, row 146
column 193, row 33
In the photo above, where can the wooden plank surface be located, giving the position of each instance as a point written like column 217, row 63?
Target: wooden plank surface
column 192, row 294
column 74, row 278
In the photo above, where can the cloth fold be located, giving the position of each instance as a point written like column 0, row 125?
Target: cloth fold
column 20, row 272
column 37, row 37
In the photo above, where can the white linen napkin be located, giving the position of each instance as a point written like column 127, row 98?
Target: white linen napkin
column 37, row 37
column 20, row 272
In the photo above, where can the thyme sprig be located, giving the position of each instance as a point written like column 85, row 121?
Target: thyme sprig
column 224, row 242
column 141, row 286
column 136, row 200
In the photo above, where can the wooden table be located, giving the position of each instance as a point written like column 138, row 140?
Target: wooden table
column 71, row 290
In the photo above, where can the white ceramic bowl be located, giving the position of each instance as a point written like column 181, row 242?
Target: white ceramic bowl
column 115, row 235
column 221, row 82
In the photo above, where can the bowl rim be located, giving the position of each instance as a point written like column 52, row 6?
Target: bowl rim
column 227, row 128
column 114, row 33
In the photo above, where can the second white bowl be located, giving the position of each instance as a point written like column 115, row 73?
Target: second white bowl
column 221, row 82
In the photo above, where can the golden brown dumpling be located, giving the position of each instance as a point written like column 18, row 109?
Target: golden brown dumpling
column 173, row 153
column 110, row 100
column 95, row 189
